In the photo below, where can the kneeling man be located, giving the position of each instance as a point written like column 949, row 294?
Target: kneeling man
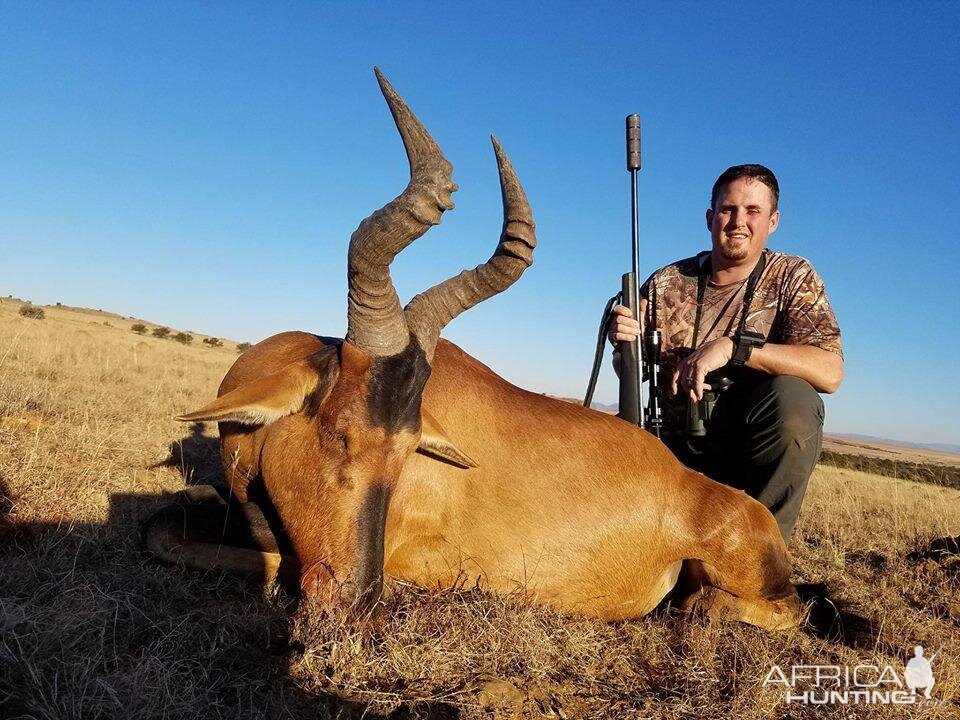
column 743, row 313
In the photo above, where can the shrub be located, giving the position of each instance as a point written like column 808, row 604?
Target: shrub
column 183, row 338
column 932, row 473
column 213, row 342
column 31, row 311
column 161, row 332
column 243, row 347
column 139, row 328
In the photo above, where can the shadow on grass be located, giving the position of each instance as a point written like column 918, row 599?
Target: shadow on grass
column 6, row 507
column 832, row 619
column 197, row 457
column 181, row 643
column 941, row 550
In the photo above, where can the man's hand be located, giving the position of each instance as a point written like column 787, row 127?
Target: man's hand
column 623, row 328
column 692, row 370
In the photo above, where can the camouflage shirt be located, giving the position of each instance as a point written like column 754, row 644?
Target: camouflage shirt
column 789, row 307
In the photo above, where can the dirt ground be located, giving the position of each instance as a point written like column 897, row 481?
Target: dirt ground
column 92, row 628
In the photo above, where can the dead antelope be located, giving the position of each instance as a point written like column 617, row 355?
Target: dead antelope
column 395, row 452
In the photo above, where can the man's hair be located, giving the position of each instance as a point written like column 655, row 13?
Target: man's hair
column 761, row 173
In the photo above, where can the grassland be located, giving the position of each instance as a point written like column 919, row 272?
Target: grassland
column 91, row 628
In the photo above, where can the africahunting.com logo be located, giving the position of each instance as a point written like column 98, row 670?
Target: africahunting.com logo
column 862, row 684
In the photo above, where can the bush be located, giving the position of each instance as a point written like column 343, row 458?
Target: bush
column 161, row 332
column 31, row 311
column 243, row 347
column 931, row 473
column 183, row 338
column 213, row 342
column 139, row 328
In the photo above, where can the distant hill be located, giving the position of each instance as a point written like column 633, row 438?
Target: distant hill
column 939, row 447
column 610, row 409
column 107, row 318
column 613, row 409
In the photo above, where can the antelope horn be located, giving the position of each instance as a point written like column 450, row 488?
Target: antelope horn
column 429, row 312
column 375, row 322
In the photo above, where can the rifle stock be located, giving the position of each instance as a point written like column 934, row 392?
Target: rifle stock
column 631, row 408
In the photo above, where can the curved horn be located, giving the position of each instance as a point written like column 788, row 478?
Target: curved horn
column 375, row 322
column 429, row 312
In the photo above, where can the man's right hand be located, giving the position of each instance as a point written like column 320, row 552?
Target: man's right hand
column 622, row 327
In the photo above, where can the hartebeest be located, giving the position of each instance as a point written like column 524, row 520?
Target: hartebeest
column 395, row 452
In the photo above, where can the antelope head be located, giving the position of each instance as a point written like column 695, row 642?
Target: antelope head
column 341, row 423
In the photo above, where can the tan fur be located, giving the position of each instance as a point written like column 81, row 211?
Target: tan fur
column 583, row 510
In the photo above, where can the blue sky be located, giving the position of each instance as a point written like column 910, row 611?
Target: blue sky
column 203, row 166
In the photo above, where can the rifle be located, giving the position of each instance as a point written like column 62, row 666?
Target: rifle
column 631, row 354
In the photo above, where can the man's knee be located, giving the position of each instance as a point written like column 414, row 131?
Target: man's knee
column 789, row 407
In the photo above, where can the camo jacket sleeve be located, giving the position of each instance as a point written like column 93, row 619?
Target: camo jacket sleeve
column 808, row 318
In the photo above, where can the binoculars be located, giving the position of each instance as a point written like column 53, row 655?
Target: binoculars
column 699, row 413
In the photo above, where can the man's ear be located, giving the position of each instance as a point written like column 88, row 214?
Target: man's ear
column 774, row 220
column 275, row 396
column 435, row 443
column 710, row 219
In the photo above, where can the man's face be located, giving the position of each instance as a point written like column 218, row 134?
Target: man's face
column 742, row 219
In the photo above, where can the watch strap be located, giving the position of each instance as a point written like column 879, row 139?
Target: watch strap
column 743, row 345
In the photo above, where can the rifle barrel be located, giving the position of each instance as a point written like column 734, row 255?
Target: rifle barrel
column 633, row 165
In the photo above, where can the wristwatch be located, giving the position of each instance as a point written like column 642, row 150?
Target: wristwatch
column 743, row 345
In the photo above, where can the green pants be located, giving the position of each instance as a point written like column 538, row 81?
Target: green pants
column 763, row 438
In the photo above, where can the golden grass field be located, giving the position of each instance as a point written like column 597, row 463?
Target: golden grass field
column 92, row 628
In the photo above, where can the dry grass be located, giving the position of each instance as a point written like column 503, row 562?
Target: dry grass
column 924, row 472
column 91, row 628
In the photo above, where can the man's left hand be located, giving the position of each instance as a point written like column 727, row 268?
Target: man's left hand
column 692, row 371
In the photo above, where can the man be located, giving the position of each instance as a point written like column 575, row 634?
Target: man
column 758, row 317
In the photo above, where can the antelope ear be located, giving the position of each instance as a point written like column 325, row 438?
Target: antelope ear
column 270, row 398
column 435, row 443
